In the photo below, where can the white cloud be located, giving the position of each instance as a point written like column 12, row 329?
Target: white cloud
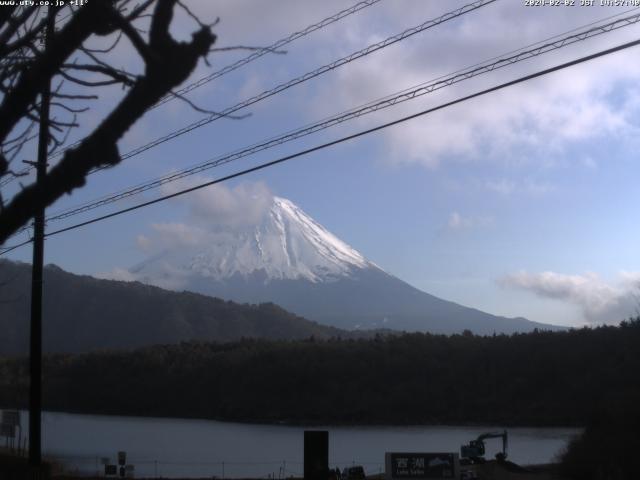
column 213, row 211
column 535, row 119
column 508, row 187
column 542, row 116
column 590, row 163
column 502, row 186
column 254, row 85
column 538, row 119
column 459, row 222
column 600, row 302
column 143, row 242
column 168, row 235
column 218, row 206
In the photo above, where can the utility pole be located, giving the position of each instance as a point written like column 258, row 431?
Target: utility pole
column 35, row 354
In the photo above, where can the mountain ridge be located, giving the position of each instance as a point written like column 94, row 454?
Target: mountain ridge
column 83, row 313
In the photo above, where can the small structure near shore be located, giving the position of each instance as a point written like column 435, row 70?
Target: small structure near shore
column 421, row 466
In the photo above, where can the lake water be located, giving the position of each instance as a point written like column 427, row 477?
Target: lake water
column 202, row 448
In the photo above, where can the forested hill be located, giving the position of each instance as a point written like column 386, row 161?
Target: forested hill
column 82, row 313
column 540, row 378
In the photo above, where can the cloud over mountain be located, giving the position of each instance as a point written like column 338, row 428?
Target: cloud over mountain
column 211, row 210
column 601, row 302
column 242, row 205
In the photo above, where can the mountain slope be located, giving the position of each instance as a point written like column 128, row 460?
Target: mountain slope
column 82, row 313
column 290, row 259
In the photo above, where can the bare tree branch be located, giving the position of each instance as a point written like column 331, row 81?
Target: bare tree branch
column 13, row 25
column 195, row 17
column 75, row 97
column 89, row 83
column 18, row 137
column 24, row 41
column 5, row 14
column 104, row 50
column 168, row 63
column 137, row 12
column 61, row 46
column 118, row 76
column 69, row 109
column 134, row 37
column 208, row 112
column 59, row 143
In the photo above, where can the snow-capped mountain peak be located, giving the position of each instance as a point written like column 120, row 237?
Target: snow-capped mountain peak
column 286, row 244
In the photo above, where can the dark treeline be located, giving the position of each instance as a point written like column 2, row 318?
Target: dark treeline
column 540, row 378
column 607, row 448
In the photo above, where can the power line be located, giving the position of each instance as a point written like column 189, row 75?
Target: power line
column 229, row 68
column 298, row 80
column 308, row 76
column 305, row 77
column 495, row 88
column 599, row 29
column 273, row 47
column 371, row 107
column 14, row 247
column 254, row 56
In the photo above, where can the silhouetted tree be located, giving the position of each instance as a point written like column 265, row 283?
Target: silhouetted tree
column 68, row 58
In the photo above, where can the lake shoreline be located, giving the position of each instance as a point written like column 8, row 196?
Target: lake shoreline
column 194, row 448
column 310, row 423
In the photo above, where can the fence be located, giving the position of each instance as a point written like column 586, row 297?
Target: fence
column 199, row 468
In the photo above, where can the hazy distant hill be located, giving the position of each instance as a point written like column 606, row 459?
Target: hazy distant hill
column 82, row 313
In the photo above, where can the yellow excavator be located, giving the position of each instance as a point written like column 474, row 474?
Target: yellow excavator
column 474, row 450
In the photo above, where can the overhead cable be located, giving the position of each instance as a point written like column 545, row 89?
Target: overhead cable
column 310, row 75
column 362, row 133
column 271, row 48
column 386, row 102
column 231, row 67
column 289, row 84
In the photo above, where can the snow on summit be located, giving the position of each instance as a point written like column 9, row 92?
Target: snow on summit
column 285, row 243
column 311, row 242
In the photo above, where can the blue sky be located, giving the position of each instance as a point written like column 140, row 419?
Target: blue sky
column 519, row 203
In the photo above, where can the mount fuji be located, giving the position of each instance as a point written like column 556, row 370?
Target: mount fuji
column 290, row 259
